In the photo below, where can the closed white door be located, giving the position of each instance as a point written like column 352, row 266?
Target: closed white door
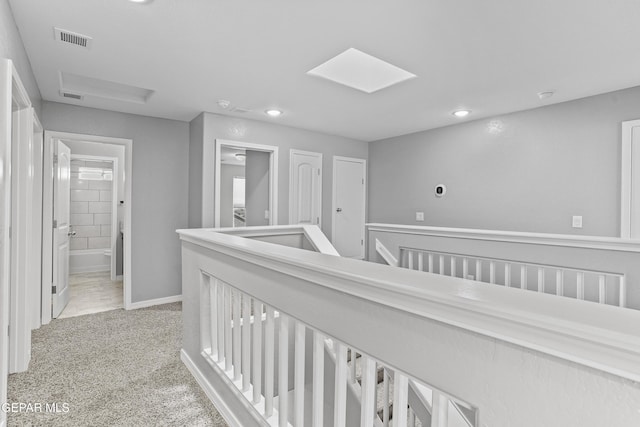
column 305, row 188
column 635, row 183
column 61, row 230
column 349, row 190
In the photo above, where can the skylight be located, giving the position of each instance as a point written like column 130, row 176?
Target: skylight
column 361, row 71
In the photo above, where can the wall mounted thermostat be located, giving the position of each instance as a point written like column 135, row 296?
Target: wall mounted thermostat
column 440, row 190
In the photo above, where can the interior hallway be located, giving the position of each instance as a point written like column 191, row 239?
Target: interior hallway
column 92, row 293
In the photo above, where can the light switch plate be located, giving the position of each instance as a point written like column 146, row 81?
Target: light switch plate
column 576, row 222
column 419, row 216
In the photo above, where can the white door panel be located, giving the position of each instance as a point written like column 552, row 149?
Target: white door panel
column 305, row 193
column 62, row 231
column 349, row 206
column 635, row 184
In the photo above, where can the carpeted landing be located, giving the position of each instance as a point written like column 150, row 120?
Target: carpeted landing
column 116, row 368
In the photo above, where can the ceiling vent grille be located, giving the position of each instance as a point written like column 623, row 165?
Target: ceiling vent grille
column 70, row 37
column 72, row 95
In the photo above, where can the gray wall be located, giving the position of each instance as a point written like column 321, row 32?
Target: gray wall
column 11, row 47
column 526, row 171
column 286, row 138
column 159, row 194
column 196, row 136
column 226, row 192
column 257, row 187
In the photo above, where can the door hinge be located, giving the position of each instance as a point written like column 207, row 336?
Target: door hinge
column 55, row 223
column 54, row 289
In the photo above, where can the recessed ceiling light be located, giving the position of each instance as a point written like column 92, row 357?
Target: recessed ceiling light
column 545, row 94
column 461, row 113
column 140, row 1
column 241, row 156
column 361, row 71
column 273, row 112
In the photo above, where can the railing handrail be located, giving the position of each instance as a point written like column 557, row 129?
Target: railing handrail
column 567, row 240
column 602, row 337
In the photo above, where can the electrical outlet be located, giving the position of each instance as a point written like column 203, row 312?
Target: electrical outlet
column 576, row 221
column 419, row 216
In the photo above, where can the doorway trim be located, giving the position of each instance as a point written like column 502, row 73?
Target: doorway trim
column 214, row 187
column 334, row 196
column 47, row 220
column 114, row 204
column 628, row 221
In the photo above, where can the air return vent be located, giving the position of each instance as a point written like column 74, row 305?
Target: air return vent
column 70, row 37
column 71, row 95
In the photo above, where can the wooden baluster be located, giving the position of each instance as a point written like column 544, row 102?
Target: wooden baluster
column 421, row 261
column 430, row 263
column 441, row 264
column 465, row 268
column 269, row 361
column 580, row 285
column 369, row 377
column 246, row 342
column 602, row 289
column 492, row 272
column 540, row 279
column 298, row 398
column 221, row 320
column 410, row 260
column 385, row 398
column 228, row 329
column 283, row 371
column 257, row 351
column 622, row 290
column 318, row 380
column 523, row 277
column 400, row 399
column 440, row 410
column 235, row 314
column 453, row 266
column 479, row 270
column 340, row 395
column 560, row 282
column 507, row 275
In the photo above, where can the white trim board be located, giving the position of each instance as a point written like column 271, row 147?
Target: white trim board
column 47, row 220
column 152, row 302
column 629, row 223
column 208, row 187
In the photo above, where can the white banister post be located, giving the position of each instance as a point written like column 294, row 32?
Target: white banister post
column 440, row 410
column 507, row 275
column 560, row 282
column 623, row 292
column 298, row 399
column 430, row 263
column 269, row 362
column 602, row 295
column 246, row 342
column 235, row 314
column 580, row 285
column 400, row 399
column 421, row 261
column 453, row 266
column 523, row 277
column 492, row 272
column 318, row 380
column 213, row 316
column 368, row 406
column 340, row 395
column 228, row 349
column 479, row 270
column 540, row 279
column 283, row 371
column 257, row 351
column 221, row 320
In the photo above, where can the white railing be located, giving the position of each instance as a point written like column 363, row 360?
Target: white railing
column 597, row 269
column 257, row 317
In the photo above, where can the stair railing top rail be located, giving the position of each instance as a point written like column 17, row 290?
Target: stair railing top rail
column 597, row 336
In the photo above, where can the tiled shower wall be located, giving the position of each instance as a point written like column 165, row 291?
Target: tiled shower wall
column 91, row 205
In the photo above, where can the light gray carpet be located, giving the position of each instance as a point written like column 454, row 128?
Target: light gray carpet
column 117, row 368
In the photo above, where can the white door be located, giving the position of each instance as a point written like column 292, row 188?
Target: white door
column 630, row 182
column 62, row 230
column 305, row 188
column 349, row 190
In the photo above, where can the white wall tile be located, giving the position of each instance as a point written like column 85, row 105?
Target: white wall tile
column 84, row 195
column 100, row 185
column 78, row 243
column 99, row 207
column 105, row 230
column 98, row 242
column 87, row 230
column 81, row 219
column 105, row 196
column 79, row 207
column 102, row 219
column 79, row 184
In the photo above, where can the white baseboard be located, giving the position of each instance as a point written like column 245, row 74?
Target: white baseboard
column 89, row 269
column 208, row 389
column 157, row 301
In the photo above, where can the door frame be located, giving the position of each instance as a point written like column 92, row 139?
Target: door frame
column 114, row 204
column 291, row 194
column 364, row 198
column 628, row 221
column 47, row 220
column 214, row 187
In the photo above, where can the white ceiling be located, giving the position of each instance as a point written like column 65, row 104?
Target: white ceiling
column 490, row 56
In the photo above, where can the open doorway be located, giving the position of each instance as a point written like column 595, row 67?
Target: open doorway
column 94, row 266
